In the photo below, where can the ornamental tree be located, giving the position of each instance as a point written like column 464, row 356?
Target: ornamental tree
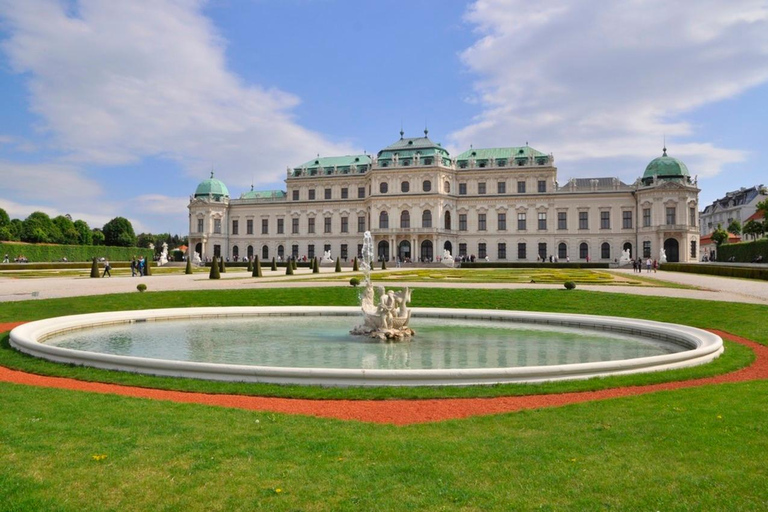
column 119, row 232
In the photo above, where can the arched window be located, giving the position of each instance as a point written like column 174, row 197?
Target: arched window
column 281, row 252
column 562, row 251
column 383, row 220
column 426, row 186
column 605, row 251
column 235, row 253
column 426, row 219
column 447, row 219
column 405, row 219
column 583, row 250
column 250, row 252
column 264, row 252
column 405, row 187
column 447, row 187
column 383, row 187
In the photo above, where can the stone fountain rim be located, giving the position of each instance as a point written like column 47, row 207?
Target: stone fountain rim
column 702, row 346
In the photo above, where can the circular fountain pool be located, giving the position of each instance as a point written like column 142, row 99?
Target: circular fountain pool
column 312, row 345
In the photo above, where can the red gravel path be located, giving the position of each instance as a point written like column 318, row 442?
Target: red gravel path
column 397, row 412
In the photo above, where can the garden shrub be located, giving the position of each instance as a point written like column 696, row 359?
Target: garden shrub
column 42, row 253
column 141, row 287
column 569, row 285
column 354, row 282
column 744, row 252
column 215, row 271
column 755, row 272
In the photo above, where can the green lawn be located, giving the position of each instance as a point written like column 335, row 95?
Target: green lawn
column 691, row 449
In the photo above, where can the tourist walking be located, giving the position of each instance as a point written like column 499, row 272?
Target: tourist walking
column 133, row 267
column 107, row 268
column 140, row 265
column 648, row 264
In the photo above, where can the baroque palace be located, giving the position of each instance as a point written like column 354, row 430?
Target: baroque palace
column 503, row 204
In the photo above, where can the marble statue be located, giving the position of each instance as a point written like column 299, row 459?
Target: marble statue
column 387, row 319
column 326, row 257
column 196, row 259
column 447, row 258
column 624, row 257
column 662, row 256
column 164, row 255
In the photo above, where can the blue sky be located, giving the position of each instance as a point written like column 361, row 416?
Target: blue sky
column 112, row 107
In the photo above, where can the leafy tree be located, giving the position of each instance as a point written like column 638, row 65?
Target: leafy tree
column 84, row 234
column 5, row 220
column 16, row 226
column 763, row 207
column 753, row 228
column 719, row 236
column 97, row 236
column 69, row 234
column 734, row 227
column 5, row 233
column 39, row 228
column 144, row 239
column 119, row 232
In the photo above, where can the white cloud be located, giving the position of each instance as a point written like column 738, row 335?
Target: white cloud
column 55, row 183
column 161, row 204
column 601, row 82
column 118, row 81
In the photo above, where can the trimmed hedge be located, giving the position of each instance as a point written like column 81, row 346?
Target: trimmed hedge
column 718, row 270
column 71, row 265
column 744, row 252
column 520, row 264
column 39, row 253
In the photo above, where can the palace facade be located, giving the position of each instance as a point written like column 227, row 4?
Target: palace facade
column 503, row 204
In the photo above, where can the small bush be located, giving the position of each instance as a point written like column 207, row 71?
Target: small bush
column 289, row 270
column 141, row 287
column 215, row 272
column 569, row 285
column 354, row 282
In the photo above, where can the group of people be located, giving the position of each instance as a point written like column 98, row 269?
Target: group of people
column 18, row 259
column 138, row 267
column 650, row 265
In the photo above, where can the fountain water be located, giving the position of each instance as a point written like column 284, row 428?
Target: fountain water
column 389, row 319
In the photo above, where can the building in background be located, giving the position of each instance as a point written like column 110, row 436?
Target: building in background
column 500, row 204
column 738, row 205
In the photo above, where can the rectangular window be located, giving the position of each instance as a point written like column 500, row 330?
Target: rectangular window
column 295, row 251
column 626, row 219
column 583, row 220
column 199, row 225
column 463, row 250
column 311, row 225
column 692, row 214
column 462, row 189
column 502, row 221
column 542, row 221
column 562, row 220
column 360, row 192
column 235, row 226
column 481, row 222
column 462, row 222
column 361, row 224
column 327, row 225
column 311, row 250
column 344, row 193
column 359, row 250
column 311, row 194
column 605, row 220
column 521, row 251
column 249, row 226
column 481, row 251
column 327, row 193
column 646, row 217
column 521, row 187
column 295, row 195
column 343, row 252
column 646, row 249
column 264, row 226
column 502, row 251
column 671, row 215
column 280, row 226
column 345, row 224
column 693, row 250
column 217, row 226
column 521, row 222
column 501, row 187
column 543, row 251
column 481, row 188
column 542, row 186
column 295, row 226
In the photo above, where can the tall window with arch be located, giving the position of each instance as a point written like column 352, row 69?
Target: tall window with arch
column 384, row 220
column 405, row 219
column 426, row 219
column 447, row 219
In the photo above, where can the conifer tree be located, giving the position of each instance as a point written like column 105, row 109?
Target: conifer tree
column 256, row 267
column 95, row 268
column 215, row 270
column 338, row 264
column 222, row 267
column 274, row 264
column 188, row 269
column 355, row 265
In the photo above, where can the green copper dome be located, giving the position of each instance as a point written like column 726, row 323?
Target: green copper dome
column 665, row 167
column 212, row 187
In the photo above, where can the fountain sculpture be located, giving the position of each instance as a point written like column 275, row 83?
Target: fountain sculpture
column 327, row 257
column 389, row 319
column 164, row 255
column 447, row 258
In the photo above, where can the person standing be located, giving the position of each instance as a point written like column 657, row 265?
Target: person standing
column 133, row 267
column 107, row 268
column 141, row 266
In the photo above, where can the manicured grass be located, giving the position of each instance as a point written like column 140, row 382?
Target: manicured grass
column 741, row 319
column 695, row 449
